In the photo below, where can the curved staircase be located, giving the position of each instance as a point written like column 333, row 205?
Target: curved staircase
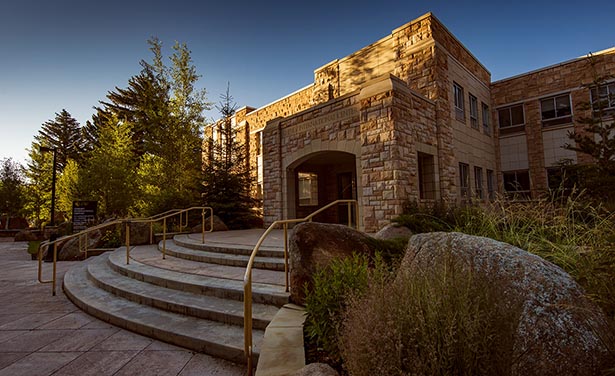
column 192, row 298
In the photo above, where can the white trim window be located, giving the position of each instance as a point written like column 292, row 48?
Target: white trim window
column 556, row 110
column 486, row 119
column 603, row 97
column 478, row 182
column 473, row 111
column 308, row 188
column 464, row 180
column 511, row 118
column 460, row 113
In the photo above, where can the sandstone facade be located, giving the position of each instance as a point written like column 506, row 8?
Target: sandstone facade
column 413, row 116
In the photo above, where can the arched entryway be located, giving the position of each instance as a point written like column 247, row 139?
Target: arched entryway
column 319, row 178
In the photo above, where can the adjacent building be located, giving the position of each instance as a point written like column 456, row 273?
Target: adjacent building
column 414, row 116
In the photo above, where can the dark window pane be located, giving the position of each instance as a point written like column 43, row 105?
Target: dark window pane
column 504, row 117
column 517, row 115
column 563, row 105
column 547, row 108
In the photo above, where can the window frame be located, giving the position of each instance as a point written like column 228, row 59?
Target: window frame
column 512, row 127
column 556, row 120
column 458, row 100
column 610, row 96
column 517, row 194
column 490, row 184
column 312, row 198
column 478, row 182
column 464, row 180
column 473, row 110
column 486, row 114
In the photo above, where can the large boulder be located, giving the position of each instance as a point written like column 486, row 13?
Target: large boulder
column 314, row 245
column 561, row 332
column 70, row 251
column 316, row 369
column 219, row 225
column 29, row 235
column 393, row 231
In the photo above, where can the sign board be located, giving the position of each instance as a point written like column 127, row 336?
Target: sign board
column 84, row 214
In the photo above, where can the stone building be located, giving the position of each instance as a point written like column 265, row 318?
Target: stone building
column 413, row 116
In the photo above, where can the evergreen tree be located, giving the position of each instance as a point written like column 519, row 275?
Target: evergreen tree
column 38, row 187
column 109, row 173
column 227, row 180
column 64, row 134
column 12, row 198
column 69, row 187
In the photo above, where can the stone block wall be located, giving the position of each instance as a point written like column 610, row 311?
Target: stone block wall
column 572, row 77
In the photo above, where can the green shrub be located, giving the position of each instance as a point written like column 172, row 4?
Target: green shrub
column 442, row 321
column 325, row 303
column 33, row 246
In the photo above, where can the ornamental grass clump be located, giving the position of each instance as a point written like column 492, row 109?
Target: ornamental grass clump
column 444, row 321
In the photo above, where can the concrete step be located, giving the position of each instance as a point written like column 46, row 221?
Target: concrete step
column 210, row 337
column 195, row 283
column 175, row 250
column 193, row 241
column 205, row 307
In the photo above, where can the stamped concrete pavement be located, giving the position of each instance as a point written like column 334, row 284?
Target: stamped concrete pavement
column 41, row 334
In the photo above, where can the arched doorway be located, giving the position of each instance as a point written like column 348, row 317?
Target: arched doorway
column 319, row 178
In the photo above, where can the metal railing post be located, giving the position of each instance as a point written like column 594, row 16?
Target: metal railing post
column 286, row 256
column 151, row 232
column 127, row 242
column 55, row 261
column 349, row 214
column 202, row 226
column 164, row 238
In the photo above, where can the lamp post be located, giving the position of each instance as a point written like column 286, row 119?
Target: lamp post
column 45, row 149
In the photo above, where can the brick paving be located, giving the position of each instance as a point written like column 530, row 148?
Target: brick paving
column 41, row 334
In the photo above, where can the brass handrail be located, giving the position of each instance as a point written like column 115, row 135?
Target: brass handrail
column 127, row 221
column 247, row 279
column 47, row 243
column 164, row 226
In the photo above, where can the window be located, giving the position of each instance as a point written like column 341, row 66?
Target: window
column 490, row 185
column 473, row 111
column 478, row 182
column 427, row 176
column 517, row 184
column 459, row 108
column 486, row 119
column 308, row 189
column 464, row 180
column 556, row 110
column 511, row 119
column 603, row 97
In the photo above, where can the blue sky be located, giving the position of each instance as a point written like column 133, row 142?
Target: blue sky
column 70, row 53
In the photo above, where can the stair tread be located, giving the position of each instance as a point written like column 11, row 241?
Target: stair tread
column 215, row 338
column 191, row 281
column 150, row 294
column 172, row 246
column 189, row 241
column 149, row 255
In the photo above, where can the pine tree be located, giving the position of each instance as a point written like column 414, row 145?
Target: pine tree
column 227, row 180
column 64, row 134
column 108, row 175
column 38, row 187
column 12, row 187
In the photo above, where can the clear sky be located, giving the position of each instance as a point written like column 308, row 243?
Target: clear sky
column 67, row 54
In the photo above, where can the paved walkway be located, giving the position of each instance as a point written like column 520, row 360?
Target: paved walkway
column 44, row 335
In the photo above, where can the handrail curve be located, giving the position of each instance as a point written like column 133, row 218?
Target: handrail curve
column 247, row 279
column 127, row 221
